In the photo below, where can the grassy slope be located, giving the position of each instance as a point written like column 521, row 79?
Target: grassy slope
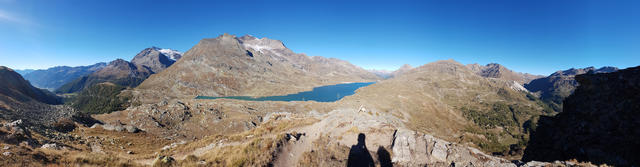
column 448, row 100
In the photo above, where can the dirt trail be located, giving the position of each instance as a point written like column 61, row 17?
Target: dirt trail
column 290, row 155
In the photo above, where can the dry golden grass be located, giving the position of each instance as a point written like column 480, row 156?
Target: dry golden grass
column 325, row 154
column 95, row 159
column 256, row 147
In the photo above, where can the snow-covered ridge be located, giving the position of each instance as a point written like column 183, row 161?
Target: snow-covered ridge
column 172, row 54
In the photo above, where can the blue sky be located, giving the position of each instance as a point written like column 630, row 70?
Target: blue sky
column 538, row 36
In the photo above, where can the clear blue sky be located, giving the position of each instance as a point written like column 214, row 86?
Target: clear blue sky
column 538, row 36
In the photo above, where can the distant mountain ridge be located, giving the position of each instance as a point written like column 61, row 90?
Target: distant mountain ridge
column 53, row 78
column 385, row 74
column 123, row 73
column 559, row 85
column 120, row 72
column 24, row 71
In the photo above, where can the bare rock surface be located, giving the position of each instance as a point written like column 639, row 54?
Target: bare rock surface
column 414, row 149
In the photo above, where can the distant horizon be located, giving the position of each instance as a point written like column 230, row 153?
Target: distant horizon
column 536, row 37
column 368, row 69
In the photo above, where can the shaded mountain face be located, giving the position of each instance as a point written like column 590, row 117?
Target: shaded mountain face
column 21, row 101
column 559, row 85
column 155, row 58
column 448, row 100
column 494, row 70
column 248, row 66
column 53, row 78
column 599, row 122
column 119, row 72
column 15, row 87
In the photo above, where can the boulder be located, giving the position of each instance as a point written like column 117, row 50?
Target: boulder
column 415, row 149
column 164, row 161
column 6, row 153
column 14, row 123
column 52, row 146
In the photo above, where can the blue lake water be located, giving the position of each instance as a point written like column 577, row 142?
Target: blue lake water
column 328, row 93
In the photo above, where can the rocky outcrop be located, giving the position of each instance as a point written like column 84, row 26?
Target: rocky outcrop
column 14, row 133
column 494, row 70
column 415, row 149
column 599, row 122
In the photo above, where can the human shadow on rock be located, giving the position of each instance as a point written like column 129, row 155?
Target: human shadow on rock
column 384, row 157
column 359, row 154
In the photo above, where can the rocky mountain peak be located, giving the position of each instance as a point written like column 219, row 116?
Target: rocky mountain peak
column 153, row 58
column 118, row 62
column 224, row 43
column 495, row 70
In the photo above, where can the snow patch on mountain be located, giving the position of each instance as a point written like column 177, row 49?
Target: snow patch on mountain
column 170, row 53
column 516, row 86
column 258, row 47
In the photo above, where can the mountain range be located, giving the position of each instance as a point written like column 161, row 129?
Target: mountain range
column 444, row 113
column 53, row 78
column 123, row 73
